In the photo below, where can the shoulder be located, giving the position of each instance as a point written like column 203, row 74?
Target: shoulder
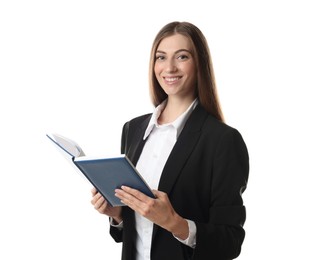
column 215, row 130
column 216, row 126
column 207, row 123
column 225, row 138
column 138, row 121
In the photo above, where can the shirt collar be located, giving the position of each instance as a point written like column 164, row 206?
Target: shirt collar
column 178, row 124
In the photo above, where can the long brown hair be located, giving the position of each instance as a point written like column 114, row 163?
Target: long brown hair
column 206, row 85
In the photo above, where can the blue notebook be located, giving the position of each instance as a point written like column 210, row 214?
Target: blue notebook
column 105, row 174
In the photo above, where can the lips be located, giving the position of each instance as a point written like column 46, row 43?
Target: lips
column 171, row 79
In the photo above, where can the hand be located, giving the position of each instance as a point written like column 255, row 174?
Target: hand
column 103, row 207
column 159, row 210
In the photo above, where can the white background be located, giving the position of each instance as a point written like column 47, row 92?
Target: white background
column 80, row 68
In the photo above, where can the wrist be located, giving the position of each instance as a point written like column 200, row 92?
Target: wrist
column 117, row 220
column 180, row 228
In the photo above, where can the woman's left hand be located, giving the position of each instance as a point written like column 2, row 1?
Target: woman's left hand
column 159, row 210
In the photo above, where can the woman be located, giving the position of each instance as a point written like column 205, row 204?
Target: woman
column 196, row 165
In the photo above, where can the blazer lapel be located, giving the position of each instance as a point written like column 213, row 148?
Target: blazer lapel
column 182, row 149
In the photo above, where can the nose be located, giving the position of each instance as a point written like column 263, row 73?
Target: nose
column 171, row 66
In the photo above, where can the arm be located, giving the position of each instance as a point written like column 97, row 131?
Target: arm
column 223, row 235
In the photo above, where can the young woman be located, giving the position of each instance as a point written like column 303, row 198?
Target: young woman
column 196, row 164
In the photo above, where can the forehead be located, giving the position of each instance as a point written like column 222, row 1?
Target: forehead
column 174, row 42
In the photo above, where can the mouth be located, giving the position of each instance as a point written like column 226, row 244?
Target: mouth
column 171, row 80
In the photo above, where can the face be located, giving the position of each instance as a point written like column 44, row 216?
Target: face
column 175, row 68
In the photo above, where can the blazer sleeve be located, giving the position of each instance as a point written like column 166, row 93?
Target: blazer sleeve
column 131, row 145
column 222, row 236
column 115, row 232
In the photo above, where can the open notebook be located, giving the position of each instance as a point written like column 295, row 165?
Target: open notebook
column 105, row 173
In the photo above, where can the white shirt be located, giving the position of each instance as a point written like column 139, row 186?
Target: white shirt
column 160, row 141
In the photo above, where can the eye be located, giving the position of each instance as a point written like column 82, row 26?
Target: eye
column 160, row 57
column 182, row 57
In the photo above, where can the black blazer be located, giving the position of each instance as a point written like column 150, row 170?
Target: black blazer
column 204, row 177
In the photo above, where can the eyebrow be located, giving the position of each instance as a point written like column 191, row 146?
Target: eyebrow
column 180, row 50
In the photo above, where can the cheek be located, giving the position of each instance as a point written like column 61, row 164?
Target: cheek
column 156, row 68
column 191, row 72
column 157, row 71
column 188, row 68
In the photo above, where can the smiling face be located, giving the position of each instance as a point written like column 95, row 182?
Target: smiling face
column 175, row 67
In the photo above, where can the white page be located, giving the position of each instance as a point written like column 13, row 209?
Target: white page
column 69, row 149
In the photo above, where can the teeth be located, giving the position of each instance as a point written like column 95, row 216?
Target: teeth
column 172, row 79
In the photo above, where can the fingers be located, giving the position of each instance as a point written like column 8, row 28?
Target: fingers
column 97, row 198
column 158, row 193
column 101, row 206
column 99, row 203
column 93, row 191
column 134, row 198
column 127, row 194
column 135, row 193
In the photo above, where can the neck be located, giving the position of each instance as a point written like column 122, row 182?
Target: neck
column 173, row 109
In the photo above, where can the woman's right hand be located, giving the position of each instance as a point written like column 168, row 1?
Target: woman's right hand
column 103, row 207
